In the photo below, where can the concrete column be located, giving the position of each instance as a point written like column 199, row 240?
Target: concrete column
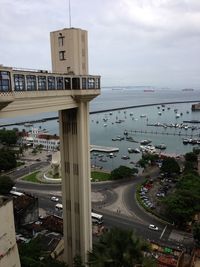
column 76, row 188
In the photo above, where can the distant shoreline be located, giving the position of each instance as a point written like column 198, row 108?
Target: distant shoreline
column 101, row 111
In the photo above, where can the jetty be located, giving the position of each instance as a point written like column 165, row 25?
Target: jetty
column 105, row 149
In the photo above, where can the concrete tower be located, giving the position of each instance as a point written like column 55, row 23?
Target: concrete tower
column 69, row 50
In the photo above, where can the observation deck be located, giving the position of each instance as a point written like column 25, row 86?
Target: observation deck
column 24, row 91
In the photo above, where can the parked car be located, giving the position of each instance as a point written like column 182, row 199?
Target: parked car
column 55, row 199
column 153, row 227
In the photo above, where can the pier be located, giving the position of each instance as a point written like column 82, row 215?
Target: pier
column 105, row 149
column 164, row 133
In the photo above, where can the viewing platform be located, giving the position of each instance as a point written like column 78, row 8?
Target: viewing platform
column 23, row 89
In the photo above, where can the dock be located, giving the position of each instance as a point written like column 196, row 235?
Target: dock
column 165, row 133
column 105, row 149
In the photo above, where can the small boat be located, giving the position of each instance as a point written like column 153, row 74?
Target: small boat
column 105, row 125
column 143, row 116
column 161, row 146
column 145, row 142
column 125, row 157
column 159, row 113
column 27, row 124
column 178, row 115
column 110, row 113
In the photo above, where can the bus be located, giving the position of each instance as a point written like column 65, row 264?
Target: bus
column 96, row 218
column 16, row 194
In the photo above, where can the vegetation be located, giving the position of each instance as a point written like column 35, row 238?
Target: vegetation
column 170, row 166
column 6, row 184
column 7, row 160
column 122, row 172
column 148, row 159
column 184, row 203
column 196, row 234
column 31, row 177
column 191, row 156
column 33, row 254
column 8, row 137
column 117, row 248
column 100, row 176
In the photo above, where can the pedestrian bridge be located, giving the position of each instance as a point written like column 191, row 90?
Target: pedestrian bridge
column 25, row 92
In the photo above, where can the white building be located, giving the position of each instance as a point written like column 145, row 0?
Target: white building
column 35, row 138
column 9, row 256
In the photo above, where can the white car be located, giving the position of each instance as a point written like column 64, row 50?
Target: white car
column 55, row 199
column 153, row 227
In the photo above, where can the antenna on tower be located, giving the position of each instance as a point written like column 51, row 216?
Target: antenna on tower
column 69, row 14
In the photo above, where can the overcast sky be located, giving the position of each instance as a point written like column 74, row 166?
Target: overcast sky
column 131, row 42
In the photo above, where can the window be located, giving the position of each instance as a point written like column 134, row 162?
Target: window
column 61, row 40
column 19, row 82
column 5, row 81
column 97, row 86
column 75, row 83
column 91, row 83
column 59, row 81
column 31, row 83
column 42, row 83
column 51, row 83
column 62, row 55
column 84, row 83
column 67, row 83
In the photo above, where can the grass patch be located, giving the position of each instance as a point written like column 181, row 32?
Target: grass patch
column 100, row 176
column 31, row 177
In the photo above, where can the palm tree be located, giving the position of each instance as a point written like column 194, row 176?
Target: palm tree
column 117, row 248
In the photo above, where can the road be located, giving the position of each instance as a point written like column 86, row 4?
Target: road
column 45, row 191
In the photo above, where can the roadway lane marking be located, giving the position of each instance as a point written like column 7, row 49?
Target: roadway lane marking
column 163, row 231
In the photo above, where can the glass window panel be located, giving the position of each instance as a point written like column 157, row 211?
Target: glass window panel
column 67, row 83
column 84, row 83
column 19, row 82
column 31, row 83
column 51, row 83
column 42, row 84
column 5, row 81
column 91, row 83
column 59, row 81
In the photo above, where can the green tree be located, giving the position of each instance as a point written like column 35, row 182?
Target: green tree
column 6, row 184
column 196, row 234
column 122, row 172
column 8, row 137
column 78, row 261
column 170, row 166
column 117, row 248
column 7, row 160
column 191, row 156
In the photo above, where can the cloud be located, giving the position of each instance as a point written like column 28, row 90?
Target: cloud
column 133, row 41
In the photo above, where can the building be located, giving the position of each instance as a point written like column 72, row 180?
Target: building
column 39, row 138
column 25, row 210
column 9, row 256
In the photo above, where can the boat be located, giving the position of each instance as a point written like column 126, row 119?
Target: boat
column 133, row 150
column 159, row 113
column 161, row 146
column 105, row 125
column 145, row 142
column 178, row 115
column 27, row 124
column 125, row 157
column 149, row 90
column 143, row 116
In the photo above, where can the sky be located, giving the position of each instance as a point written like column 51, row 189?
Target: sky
column 131, row 42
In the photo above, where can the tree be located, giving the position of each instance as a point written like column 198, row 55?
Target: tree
column 196, row 234
column 122, row 172
column 117, row 248
column 170, row 166
column 191, row 156
column 7, row 160
column 6, row 184
column 8, row 137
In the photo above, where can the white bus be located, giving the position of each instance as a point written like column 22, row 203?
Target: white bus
column 17, row 194
column 96, row 218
